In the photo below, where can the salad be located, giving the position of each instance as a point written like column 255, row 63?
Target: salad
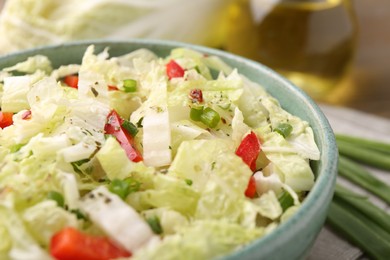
column 143, row 157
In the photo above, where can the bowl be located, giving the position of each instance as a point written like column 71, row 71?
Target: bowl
column 292, row 239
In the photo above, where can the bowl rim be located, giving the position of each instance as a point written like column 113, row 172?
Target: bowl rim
column 326, row 177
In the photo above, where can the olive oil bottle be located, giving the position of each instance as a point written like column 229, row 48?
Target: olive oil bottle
column 310, row 42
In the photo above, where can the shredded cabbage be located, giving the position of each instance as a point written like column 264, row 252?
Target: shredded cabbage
column 187, row 177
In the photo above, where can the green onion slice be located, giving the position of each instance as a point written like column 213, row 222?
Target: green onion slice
column 284, row 129
column 195, row 113
column 210, row 117
column 130, row 85
column 285, row 200
column 130, row 127
column 123, row 188
column 154, row 223
column 57, row 197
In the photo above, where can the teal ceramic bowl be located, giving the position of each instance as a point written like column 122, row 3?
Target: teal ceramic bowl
column 294, row 238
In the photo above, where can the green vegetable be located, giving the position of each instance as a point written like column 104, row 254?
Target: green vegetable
column 197, row 69
column 362, row 204
column 364, row 151
column 210, row 117
column 285, row 200
column 123, row 188
column 360, row 176
column 130, row 85
column 365, row 143
column 130, row 127
column 195, row 113
column 119, row 187
column 79, row 214
column 360, row 230
column 16, row 148
column 78, row 165
column 139, row 122
column 57, row 197
column 353, row 215
column 154, row 223
column 284, row 129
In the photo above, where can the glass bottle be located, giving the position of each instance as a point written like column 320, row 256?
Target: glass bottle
column 311, row 42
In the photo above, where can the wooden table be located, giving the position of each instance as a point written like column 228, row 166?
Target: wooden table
column 368, row 87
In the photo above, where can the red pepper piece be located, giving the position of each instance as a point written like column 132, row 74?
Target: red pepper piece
column 26, row 115
column 249, row 150
column 72, row 81
column 112, row 88
column 6, row 119
column 196, row 95
column 114, row 127
column 250, row 191
column 174, row 70
column 71, row 244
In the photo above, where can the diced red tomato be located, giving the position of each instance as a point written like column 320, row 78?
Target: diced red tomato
column 6, row 119
column 114, row 127
column 72, row 81
column 71, row 244
column 249, row 150
column 174, row 70
column 250, row 191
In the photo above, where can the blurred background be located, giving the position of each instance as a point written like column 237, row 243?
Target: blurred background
column 369, row 86
column 338, row 51
column 370, row 90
